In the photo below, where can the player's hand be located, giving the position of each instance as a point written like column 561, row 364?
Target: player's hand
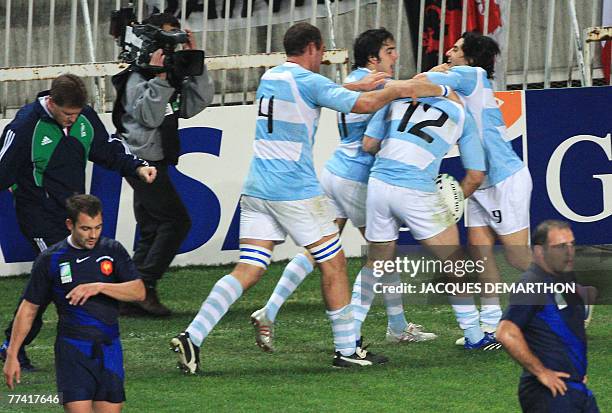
column 147, row 173
column 553, row 380
column 12, row 372
column 81, row 293
column 371, row 81
column 191, row 43
column 444, row 67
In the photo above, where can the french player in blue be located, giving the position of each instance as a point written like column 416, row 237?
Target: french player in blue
column 545, row 333
column 86, row 276
column 282, row 195
column 344, row 180
column 410, row 139
column 499, row 209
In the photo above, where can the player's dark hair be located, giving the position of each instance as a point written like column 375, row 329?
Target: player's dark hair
column 86, row 204
column 159, row 19
column 540, row 235
column 368, row 44
column 299, row 36
column 68, row 90
column 480, row 51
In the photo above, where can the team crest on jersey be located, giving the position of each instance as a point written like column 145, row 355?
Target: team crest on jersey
column 106, row 267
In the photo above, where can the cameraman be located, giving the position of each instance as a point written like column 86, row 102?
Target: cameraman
column 146, row 114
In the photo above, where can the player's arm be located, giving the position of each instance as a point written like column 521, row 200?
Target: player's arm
column 471, row 181
column 11, row 156
column 21, row 327
column 112, row 153
column 370, row 102
column 376, row 131
column 511, row 337
column 370, row 145
column 472, row 156
column 126, row 291
column 367, row 83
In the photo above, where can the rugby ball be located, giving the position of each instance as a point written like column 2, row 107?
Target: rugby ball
column 452, row 194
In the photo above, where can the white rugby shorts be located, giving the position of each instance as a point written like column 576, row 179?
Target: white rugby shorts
column 348, row 198
column 306, row 221
column 390, row 206
column 504, row 207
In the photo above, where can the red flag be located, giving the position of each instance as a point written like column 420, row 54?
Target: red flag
column 452, row 30
column 606, row 20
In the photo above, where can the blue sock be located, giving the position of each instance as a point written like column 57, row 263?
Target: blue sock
column 223, row 294
column 295, row 272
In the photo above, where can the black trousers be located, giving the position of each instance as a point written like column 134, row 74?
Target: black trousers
column 163, row 223
column 38, row 244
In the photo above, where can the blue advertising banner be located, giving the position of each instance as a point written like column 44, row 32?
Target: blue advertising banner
column 570, row 159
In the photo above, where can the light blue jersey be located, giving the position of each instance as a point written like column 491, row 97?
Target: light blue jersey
column 415, row 139
column 350, row 161
column 289, row 100
column 476, row 91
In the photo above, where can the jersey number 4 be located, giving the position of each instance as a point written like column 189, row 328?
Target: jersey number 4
column 269, row 114
column 417, row 128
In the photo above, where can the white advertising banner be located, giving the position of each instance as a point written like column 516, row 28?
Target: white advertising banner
column 223, row 175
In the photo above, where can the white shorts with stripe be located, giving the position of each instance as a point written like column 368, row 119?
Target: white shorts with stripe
column 306, row 221
column 390, row 206
column 348, row 198
column 504, row 207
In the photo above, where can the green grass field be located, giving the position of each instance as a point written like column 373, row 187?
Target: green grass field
column 434, row 376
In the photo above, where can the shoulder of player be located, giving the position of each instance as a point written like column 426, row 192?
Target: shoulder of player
column 468, row 70
column 89, row 113
column 357, row 74
column 26, row 119
column 45, row 256
column 110, row 245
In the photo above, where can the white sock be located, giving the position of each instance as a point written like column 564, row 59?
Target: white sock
column 490, row 311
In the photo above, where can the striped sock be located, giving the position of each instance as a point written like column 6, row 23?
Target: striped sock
column 362, row 297
column 223, row 294
column 292, row 277
column 490, row 311
column 343, row 329
column 468, row 318
column 396, row 320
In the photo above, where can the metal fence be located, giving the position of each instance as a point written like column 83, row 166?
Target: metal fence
column 542, row 41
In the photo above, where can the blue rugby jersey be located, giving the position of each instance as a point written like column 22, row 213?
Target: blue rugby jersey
column 552, row 324
column 61, row 267
column 415, row 139
column 349, row 160
column 289, row 100
column 476, row 91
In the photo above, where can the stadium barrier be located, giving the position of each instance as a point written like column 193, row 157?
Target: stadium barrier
column 563, row 135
